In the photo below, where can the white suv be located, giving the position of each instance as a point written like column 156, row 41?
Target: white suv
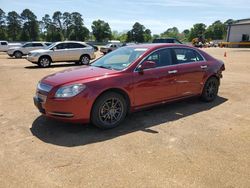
column 68, row 51
column 20, row 51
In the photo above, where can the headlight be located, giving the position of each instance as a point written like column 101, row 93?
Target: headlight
column 69, row 91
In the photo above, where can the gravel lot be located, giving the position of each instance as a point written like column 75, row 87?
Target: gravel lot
column 183, row 144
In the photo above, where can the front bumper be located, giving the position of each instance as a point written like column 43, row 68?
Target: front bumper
column 75, row 110
column 32, row 59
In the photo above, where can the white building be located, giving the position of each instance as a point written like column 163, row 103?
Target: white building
column 239, row 31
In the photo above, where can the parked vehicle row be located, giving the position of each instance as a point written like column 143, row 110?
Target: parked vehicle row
column 126, row 80
column 4, row 45
column 23, row 50
column 68, row 51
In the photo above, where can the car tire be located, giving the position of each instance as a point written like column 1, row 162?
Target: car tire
column 18, row 54
column 210, row 89
column 109, row 110
column 84, row 60
column 44, row 62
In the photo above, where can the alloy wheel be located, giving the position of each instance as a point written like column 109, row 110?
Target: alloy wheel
column 111, row 111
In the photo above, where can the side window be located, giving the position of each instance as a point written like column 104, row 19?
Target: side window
column 75, row 45
column 27, row 45
column 62, row 46
column 4, row 43
column 161, row 57
column 37, row 45
column 184, row 55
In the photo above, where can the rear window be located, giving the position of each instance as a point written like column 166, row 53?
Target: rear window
column 184, row 55
column 3, row 43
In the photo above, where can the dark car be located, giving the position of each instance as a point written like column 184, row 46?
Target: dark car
column 167, row 40
column 126, row 80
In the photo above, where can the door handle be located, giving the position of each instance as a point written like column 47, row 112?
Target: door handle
column 172, row 72
column 203, row 66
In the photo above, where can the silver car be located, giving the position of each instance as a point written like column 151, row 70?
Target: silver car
column 20, row 51
column 67, row 51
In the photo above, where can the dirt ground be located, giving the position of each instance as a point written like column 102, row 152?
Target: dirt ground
column 183, row 144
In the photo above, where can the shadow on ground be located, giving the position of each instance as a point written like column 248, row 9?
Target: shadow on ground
column 70, row 135
column 53, row 66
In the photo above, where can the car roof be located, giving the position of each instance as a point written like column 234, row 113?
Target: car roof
column 158, row 45
column 80, row 42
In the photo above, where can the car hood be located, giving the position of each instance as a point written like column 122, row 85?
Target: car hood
column 39, row 51
column 76, row 74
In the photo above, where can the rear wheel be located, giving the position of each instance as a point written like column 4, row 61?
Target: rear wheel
column 44, row 62
column 210, row 90
column 109, row 110
column 84, row 60
column 18, row 54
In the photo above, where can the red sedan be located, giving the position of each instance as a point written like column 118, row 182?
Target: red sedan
column 128, row 79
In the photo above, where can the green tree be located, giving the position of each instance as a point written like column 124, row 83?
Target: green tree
column 185, row 35
column 115, row 35
column 197, row 31
column 171, row 32
column 3, row 32
column 51, row 32
column 77, row 29
column 101, row 30
column 13, row 25
column 147, row 35
column 137, row 32
column 216, row 31
column 57, row 21
column 30, row 30
column 66, row 24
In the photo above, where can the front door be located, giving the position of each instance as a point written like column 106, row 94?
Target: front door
column 60, row 52
column 156, row 84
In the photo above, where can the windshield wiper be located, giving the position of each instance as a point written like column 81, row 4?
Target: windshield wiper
column 105, row 67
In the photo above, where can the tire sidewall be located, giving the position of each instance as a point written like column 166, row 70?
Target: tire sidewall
column 95, row 119
column 41, row 65
column 204, row 96
column 84, row 56
column 18, row 56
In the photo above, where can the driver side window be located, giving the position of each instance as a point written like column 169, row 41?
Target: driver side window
column 61, row 46
column 161, row 58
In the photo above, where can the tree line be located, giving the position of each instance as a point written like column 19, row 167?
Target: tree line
column 70, row 26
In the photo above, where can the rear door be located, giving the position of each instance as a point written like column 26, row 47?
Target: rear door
column 75, row 50
column 192, row 69
column 156, row 84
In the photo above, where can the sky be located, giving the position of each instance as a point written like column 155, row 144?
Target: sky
column 156, row 15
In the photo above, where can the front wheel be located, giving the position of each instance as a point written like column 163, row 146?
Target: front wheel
column 44, row 62
column 109, row 110
column 18, row 54
column 210, row 90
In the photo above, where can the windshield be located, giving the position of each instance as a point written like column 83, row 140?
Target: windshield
column 120, row 58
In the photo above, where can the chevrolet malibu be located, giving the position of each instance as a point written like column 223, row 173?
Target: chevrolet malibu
column 126, row 80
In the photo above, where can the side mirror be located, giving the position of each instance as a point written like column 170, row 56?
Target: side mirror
column 146, row 65
column 54, row 48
